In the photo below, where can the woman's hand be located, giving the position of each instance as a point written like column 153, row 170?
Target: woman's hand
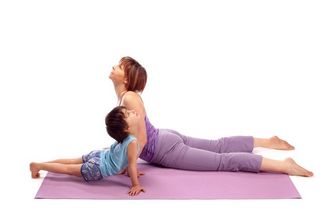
column 140, row 173
column 125, row 172
column 135, row 190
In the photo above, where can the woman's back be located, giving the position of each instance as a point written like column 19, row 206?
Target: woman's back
column 149, row 133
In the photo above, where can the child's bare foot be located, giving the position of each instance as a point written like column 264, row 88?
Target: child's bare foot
column 277, row 143
column 294, row 169
column 34, row 170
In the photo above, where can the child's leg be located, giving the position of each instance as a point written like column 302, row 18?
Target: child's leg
column 272, row 143
column 67, row 161
column 70, row 169
column 288, row 166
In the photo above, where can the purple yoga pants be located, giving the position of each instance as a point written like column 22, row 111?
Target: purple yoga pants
column 175, row 150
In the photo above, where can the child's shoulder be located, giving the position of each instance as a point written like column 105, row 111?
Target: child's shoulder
column 130, row 138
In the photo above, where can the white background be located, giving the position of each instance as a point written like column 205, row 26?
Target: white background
column 215, row 68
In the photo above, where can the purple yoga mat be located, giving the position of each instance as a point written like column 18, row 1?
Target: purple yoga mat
column 164, row 183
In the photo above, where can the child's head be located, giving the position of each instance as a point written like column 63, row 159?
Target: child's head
column 121, row 122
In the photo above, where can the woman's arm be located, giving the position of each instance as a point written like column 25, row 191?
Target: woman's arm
column 132, row 169
column 133, row 102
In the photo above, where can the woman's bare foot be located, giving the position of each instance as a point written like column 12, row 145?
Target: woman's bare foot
column 34, row 170
column 294, row 169
column 277, row 143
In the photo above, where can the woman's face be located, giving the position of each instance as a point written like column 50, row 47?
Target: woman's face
column 117, row 74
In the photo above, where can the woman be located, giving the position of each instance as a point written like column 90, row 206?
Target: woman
column 172, row 149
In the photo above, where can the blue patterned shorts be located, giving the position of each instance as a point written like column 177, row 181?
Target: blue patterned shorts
column 90, row 169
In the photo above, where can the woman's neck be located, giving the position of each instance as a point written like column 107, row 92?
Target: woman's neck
column 120, row 90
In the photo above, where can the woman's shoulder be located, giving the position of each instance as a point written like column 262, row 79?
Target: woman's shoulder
column 132, row 96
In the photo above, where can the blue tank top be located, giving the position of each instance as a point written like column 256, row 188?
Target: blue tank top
column 115, row 159
column 152, row 138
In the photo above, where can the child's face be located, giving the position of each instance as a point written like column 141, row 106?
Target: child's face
column 131, row 117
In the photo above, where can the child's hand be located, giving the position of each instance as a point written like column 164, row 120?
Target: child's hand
column 135, row 190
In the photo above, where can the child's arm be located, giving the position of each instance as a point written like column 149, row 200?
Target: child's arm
column 132, row 169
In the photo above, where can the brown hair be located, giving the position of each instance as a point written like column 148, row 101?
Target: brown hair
column 116, row 124
column 135, row 73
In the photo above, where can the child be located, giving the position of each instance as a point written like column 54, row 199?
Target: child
column 122, row 155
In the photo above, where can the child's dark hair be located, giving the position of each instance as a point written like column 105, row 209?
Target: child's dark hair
column 116, row 124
